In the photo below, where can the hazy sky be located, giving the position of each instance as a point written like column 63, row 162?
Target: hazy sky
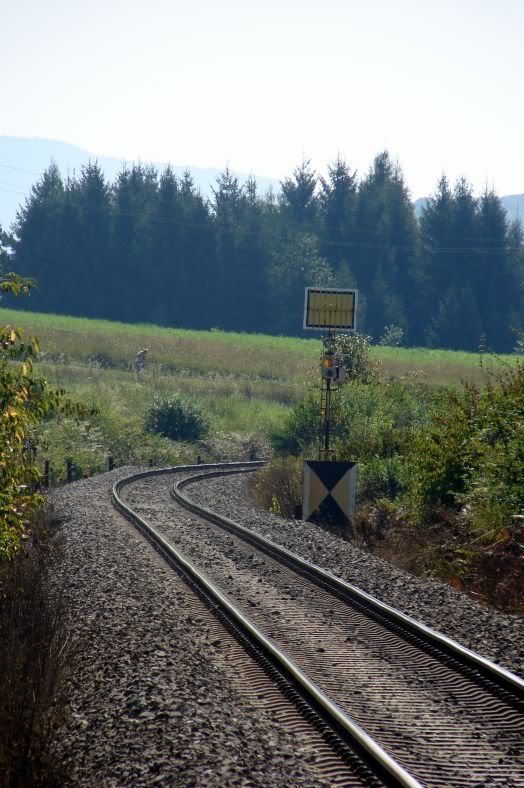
column 259, row 84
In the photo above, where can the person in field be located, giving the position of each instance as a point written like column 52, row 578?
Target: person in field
column 139, row 364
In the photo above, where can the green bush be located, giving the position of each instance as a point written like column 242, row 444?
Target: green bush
column 177, row 418
column 471, row 453
column 373, row 420
column 299, row 430
column 495, row 478
column 354, row 350
column 381, row 478
column 441, row 452
column 24, row 401
column 378, row 420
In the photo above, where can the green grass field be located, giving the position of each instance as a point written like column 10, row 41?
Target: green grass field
column 244, row 383
column 257, row 357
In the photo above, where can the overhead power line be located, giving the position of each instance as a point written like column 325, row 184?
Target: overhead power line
column 386, row 245
column 19, row 169
column 313, row 228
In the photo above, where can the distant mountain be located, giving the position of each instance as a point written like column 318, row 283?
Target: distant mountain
column 513, row 203
column 23, row 159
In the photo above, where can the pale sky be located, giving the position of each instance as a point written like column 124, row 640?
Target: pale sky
column 260, row 84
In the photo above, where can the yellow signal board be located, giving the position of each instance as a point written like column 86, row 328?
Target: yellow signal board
column 330, row 308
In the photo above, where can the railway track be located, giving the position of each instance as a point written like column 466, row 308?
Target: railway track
column 400, row 703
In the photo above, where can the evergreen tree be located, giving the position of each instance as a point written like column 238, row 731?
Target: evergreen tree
column 5, row 256
column 514, row 311
column 464, row 240
column 297, row 199
column 456, row 324
column 436, row 223
column 134, row 202
column 494, row 279
column 90, row 209
column 150, row 247
column 296, row 265
column 253, row 262
column 197, row 259
column 337, row 201
column 37, row 241
column 227, row 207
column 386, row 257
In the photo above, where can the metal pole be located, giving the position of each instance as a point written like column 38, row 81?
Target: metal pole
column 327, row 420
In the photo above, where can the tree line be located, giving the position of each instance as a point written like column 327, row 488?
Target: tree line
column 149, row 247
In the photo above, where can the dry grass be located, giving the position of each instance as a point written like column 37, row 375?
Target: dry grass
column 253, row 357
column 440, row 367
column 277, row 487
column 33, row 661
column 206, row 352
column 447, row 549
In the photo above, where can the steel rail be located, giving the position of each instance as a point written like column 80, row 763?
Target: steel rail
column 340, row 723
column 476, row 666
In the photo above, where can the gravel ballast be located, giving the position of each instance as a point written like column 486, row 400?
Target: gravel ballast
column 495, row 635
column 152, row 700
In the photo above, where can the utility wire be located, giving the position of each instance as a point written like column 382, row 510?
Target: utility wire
column 392, row 246
column 306, row 226
column 326, row 242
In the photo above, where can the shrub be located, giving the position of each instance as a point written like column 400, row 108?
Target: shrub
column 378, row 420
column 471, row 453
column 496, row 473
column 355, row 352
column 176, row 417
column 439, row 454
column 392, row 336
column 24, row 401
column 299, row 430
column 381, row 478
column 35, row 658
column 372, row 420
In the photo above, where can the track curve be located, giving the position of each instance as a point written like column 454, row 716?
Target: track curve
column 343, row 607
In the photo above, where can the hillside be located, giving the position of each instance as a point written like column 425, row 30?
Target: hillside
column 273, row 360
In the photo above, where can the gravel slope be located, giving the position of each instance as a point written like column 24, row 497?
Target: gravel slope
column 497, row 636
column 152, row 699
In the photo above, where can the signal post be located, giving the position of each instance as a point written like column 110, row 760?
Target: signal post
column 329, row 485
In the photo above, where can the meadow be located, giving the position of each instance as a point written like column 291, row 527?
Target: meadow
column 245, row 383
column 253, row 356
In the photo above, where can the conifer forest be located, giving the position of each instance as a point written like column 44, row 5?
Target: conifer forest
column 149, row 247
